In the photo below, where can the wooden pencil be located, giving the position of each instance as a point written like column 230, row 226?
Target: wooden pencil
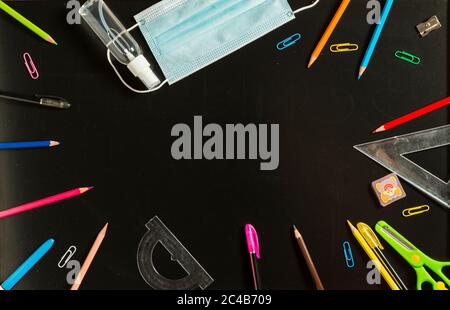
column 44, row 202
column 375, row 37
column 89, row 258
column 27, row 23
column 328, row 32
column 413, row 115
column 308, row 259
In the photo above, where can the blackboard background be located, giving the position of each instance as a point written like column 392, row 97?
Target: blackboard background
column 120, row 143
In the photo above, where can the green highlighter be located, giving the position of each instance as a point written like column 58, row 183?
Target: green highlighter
column 416, row 258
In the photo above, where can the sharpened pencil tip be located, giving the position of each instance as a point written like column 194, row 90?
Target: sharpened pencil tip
column 85, row 189
column 350, row 225
column 51, row 40
column 54, row 143
column 103, row 231
column 361, row 72
column 379, row 129
column 296, row 233
column 311, row 61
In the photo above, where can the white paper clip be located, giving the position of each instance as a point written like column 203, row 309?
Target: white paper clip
column 67, row 256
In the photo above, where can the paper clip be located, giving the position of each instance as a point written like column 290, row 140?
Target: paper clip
column 289, row 41
column 67, row 256
column 415, row 211
column 30, row 66
column 407, row 57
column 349, row 261
column 344, row 47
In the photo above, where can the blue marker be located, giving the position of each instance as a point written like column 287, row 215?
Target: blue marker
column 20, row 272
column 27, row 145
column 375, row 37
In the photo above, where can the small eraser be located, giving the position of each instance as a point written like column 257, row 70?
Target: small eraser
column 388, row 189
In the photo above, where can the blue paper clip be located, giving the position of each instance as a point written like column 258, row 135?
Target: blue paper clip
column 289, row 41
column 349, row 261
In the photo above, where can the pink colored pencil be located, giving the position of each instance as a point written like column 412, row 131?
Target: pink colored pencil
column 43, row 202
column 89, row 258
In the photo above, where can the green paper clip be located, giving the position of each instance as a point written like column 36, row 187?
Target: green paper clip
column 407, row 57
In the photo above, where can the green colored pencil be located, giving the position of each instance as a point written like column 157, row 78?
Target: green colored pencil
column 24, row 21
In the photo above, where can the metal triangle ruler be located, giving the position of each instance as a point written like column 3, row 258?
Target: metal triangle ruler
column 391, row 152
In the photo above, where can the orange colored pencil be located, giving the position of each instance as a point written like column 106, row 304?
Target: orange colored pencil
column 89, row 258
column 328, row 32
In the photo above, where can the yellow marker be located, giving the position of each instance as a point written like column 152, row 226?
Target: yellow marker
column 374, row 243
column 369, row 235
column 386, row 276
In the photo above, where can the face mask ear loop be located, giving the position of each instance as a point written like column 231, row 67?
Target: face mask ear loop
column 307, row 7
column 108, row 55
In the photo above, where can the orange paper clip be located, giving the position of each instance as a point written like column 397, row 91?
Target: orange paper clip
column 29, row 64
column 343, row 47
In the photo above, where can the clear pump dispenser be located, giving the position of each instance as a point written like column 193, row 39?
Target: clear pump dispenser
column 118, row 40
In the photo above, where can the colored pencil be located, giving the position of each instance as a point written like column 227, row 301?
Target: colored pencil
column 413, row 115
column 371, row 254
column 375, row 38
column 24, row 21
column 23, row 269
column 89, row 258
column 328, row 32
column 43, row 202
column 308, row 259
column 27, row 145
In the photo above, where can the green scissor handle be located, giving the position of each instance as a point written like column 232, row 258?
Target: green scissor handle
column 416, row 258
column 423, row 276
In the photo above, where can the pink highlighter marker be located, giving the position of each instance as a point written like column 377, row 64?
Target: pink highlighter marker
column 253, row 250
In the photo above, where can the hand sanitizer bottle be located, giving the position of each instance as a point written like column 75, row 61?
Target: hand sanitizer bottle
column 118, row 40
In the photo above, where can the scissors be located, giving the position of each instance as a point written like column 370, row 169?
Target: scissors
column 416, row 258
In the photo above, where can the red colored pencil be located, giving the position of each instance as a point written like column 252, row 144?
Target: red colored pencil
column 413, row 115
column 44, row 202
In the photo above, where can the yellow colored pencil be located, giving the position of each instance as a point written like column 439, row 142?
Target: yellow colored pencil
column 89, row 258
column 328, row 32
column 24, row 21
column 387, row 277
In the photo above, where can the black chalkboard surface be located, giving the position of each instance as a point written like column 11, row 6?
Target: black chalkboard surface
column 120, row 143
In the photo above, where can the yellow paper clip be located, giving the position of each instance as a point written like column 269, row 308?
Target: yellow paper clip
column 415, row 211
column 343, row 47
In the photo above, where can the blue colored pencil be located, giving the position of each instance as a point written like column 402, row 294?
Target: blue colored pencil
column 375, row 37
column 23, row 269
column 27, row 145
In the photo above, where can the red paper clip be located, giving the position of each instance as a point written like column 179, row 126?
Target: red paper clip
column 29, row 64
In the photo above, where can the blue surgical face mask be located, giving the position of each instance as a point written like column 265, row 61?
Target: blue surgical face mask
column 187, row 35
